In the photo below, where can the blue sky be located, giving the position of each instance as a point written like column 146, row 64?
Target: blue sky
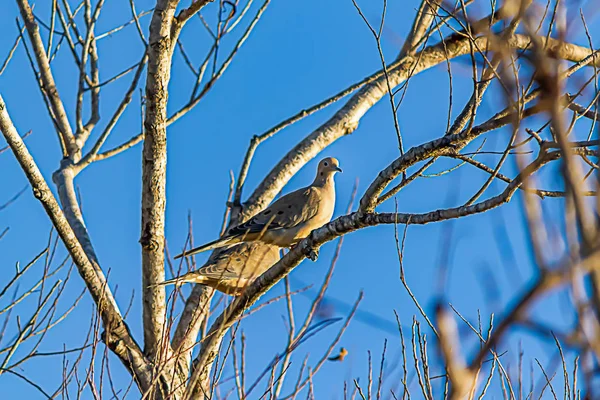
column 299, row 54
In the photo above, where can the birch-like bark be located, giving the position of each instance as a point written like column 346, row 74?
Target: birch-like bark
column 116, row 336
column 164, row 30
column 150, row 372
column 154, row 166
column 425, row 16
column 58, row 110
column 334, row 229
column 345, row 122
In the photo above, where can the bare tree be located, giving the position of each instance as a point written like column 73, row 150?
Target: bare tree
column 518, row 52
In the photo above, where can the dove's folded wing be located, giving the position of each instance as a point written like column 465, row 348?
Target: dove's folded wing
column 289, row 211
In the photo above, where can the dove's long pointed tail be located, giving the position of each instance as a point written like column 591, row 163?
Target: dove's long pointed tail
column 215, row 244
column 173, row 281
column 190, row 277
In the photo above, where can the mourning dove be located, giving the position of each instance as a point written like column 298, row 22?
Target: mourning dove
column 289, row 219
column 233, row 269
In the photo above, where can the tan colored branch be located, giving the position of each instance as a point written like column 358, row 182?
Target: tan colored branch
column 463, row 381
column 421, row 24
column 318, row 237
column 117, row 335
column 187, row 13
column 47, row 78
column 92, row 155
column 154, row 166
column 346, row 120
column 557, row 48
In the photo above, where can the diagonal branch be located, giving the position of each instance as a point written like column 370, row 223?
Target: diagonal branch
column 49, row 86
column 421, row 24
column 346, row 120
column 558, row 48
column 328, row 232
column 187, row 13
column 92, row 155
column 117, row 335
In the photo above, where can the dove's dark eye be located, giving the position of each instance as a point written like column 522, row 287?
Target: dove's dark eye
column 325, row 164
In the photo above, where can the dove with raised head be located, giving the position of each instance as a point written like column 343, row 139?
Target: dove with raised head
column 289, row 219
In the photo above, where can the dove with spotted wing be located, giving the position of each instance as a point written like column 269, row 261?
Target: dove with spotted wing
column 232, row 269
column 289, row 219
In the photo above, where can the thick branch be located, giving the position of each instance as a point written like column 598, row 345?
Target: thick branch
column 318, row 237
column 346, row 120
column 154, row 165
column 421, row 24
column 117, row 335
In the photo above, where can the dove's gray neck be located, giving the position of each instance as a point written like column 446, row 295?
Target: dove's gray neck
column 323, row 181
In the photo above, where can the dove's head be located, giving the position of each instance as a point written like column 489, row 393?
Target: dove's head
column 327, row 168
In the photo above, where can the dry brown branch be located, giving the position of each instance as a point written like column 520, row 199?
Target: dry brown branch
column 47, row 79
column 117, row 335
column 345, row 121
column 160, row 51
column 422, row 23
column 11, row 52
column 336, row 228
column 164, row 369
column 187, row 13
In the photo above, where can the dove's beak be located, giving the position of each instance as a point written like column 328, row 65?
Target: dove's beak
column 338, row 169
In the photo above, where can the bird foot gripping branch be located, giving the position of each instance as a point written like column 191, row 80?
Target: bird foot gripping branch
column 283, row 224
column 307, row 250
column 312, row 254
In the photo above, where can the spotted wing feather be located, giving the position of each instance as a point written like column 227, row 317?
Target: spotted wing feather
column 285, row 213
column 241, row 261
